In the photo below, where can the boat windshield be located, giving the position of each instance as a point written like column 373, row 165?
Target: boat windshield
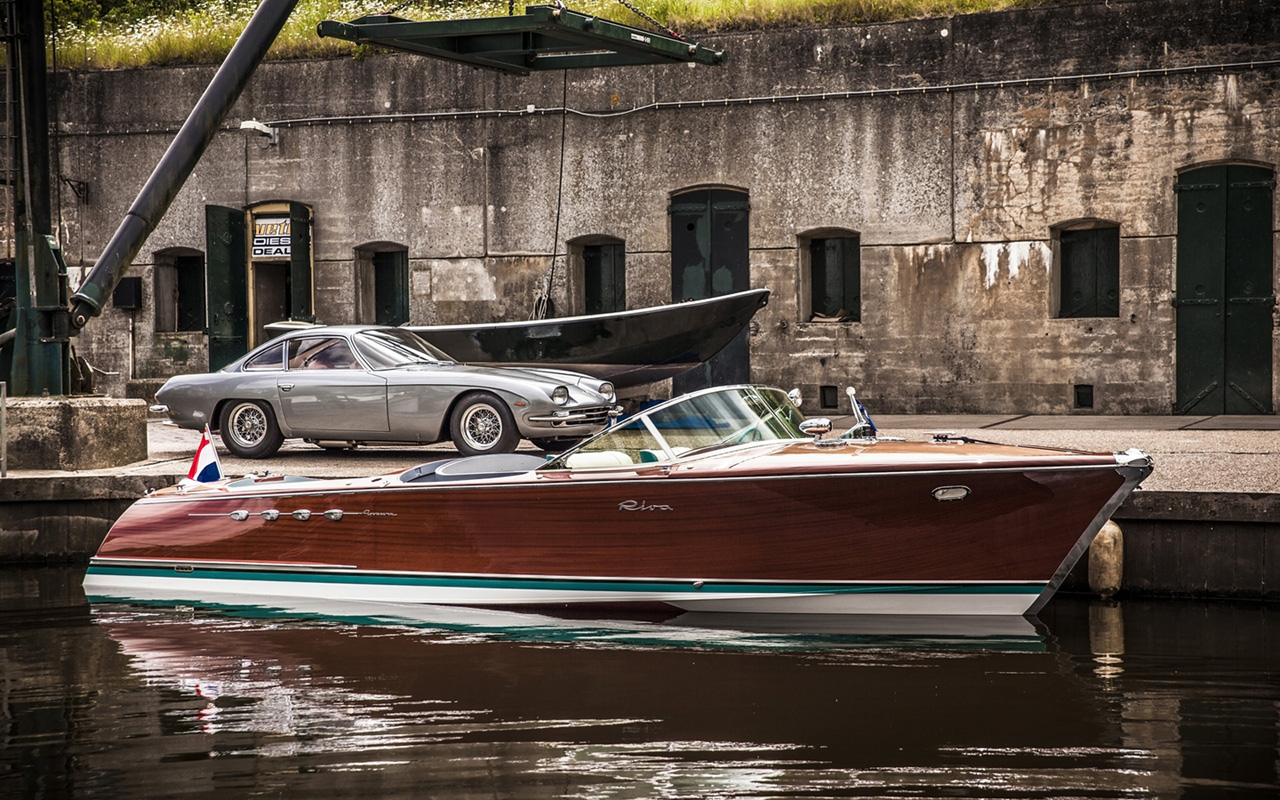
column 387, row 348
column 690, row 424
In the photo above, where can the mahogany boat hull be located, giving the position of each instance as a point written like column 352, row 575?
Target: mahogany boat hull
column 848, row 538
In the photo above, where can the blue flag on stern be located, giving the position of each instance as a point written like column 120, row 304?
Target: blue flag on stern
column 205, row 467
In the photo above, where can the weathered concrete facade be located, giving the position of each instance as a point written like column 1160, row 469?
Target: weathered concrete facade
column 953, row 174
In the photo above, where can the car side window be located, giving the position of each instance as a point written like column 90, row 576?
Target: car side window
column 271, row 358
column 321, row 353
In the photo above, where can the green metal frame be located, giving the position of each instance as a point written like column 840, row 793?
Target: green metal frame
column 543, row 38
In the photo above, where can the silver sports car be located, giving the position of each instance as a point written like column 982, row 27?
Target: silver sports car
column 352, row 384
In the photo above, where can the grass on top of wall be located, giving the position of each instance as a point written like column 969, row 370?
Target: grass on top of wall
column 205, row 33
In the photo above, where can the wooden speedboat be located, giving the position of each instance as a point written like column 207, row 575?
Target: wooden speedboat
column 720, row 500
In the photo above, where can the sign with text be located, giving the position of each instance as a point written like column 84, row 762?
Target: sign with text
column 271, row 240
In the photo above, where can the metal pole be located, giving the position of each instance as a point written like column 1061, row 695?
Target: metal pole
column 4, row 431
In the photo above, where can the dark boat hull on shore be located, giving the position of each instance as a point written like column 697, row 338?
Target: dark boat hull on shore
column 629, row 348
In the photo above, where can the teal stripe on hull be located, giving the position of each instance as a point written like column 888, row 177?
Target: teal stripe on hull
column 568, row 585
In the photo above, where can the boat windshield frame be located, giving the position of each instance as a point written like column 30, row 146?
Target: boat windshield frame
column 687, row 426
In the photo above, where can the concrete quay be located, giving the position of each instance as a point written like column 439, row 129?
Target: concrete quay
column 1206, row 523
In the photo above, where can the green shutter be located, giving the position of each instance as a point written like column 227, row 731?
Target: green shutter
column 191, row 304
column 391, row 287
column 835, row 276
column 301, row 293
column 226, row 284
column 604, row 278
column 1090, row 272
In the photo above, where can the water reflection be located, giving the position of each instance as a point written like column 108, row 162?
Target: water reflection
column 145, row 700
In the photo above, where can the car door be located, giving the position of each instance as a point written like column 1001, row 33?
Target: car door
column 325, row 390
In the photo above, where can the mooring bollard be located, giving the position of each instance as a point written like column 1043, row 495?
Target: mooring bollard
column 1106, row 561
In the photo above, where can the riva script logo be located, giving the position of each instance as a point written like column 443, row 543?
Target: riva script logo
column 643, row 505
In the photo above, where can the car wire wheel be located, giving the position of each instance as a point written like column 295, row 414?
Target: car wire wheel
column 482, row 424
column 249, row 429
column 248, row 425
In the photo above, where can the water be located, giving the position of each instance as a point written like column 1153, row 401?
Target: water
column 1139, row 699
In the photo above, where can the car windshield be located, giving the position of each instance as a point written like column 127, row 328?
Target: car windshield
column 690, row 424
column 387, row 348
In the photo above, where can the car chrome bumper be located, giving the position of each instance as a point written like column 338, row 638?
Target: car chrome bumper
column 596, row 415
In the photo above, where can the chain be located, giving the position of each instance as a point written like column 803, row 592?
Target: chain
column 636, row 10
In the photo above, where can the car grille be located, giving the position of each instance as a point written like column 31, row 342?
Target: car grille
column 595, row 415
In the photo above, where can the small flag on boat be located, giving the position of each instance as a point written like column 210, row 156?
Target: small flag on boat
column 205, row 467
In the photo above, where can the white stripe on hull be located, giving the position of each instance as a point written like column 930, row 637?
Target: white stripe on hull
column 973, row 601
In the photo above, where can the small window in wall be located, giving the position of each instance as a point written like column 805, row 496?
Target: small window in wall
column 179, row 293
column 835, row 279
column 382, row 278
column 391, row 287
column 604, row 278
column 1089, row 270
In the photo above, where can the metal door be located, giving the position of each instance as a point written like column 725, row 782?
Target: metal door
column 1224, row 295
column 226, row 286
column 301, row 293
column 709, row 258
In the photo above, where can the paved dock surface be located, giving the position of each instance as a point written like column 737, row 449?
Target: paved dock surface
column 1192, row 454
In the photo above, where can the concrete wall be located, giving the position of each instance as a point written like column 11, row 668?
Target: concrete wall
column 953, row 188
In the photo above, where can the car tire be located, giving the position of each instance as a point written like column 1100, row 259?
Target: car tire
column 249, row 429
column 481, row 423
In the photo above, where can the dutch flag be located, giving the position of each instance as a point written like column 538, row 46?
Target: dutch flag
column 205, row 467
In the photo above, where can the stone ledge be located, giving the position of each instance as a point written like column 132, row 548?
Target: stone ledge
column 63, row 488
column 1200, row 507
column 75, row 433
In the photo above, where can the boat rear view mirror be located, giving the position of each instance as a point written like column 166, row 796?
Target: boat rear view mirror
column 818, row 427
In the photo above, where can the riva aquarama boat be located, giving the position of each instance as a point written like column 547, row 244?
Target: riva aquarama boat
column 720, row 500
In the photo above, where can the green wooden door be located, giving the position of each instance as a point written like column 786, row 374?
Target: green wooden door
column 301, row 294
column 1224, row 295
column 226, row 286
column 710, row 257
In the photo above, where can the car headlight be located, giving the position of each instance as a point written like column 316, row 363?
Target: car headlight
column 560, row 395
column 606, row 389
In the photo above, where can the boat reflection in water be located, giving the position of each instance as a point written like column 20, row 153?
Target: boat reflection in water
column 693, row 629
column 498, row 703
column 359, row 700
